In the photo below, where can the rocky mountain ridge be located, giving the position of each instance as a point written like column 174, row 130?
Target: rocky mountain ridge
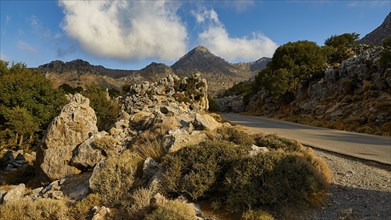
column 379, row 34
column 220, row 73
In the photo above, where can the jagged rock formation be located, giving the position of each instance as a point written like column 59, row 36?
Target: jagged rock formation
column 379, row 34
column 75, row 124
column 255, row 66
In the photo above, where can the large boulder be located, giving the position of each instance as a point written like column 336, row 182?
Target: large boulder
column 16, row 193
column 75, row 124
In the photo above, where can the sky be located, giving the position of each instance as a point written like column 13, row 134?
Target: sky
column 125, row 34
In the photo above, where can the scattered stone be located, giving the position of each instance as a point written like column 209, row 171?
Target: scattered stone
column 15, row 194
column 255, row 150
column 100, row 213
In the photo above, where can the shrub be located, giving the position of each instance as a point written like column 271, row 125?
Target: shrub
column 172, row 209
column 82, row 209
column 105, row 143
column 115, row 179
column 340, row 47
column 272, row 141
column 256, row 215
column 149, row 144
column 141, row 202
column 234, row 135
column 274, row 180
column 385, row 59
column 194, row 171
column 39, row 209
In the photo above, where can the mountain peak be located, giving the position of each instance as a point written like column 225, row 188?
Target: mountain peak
column 379, row 34
column 202, row 49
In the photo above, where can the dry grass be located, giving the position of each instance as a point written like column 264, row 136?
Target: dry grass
column 172, row 209
column 82, row 209
column 149, row 144
column 105, row 143
column 40, row 209
column 257, row 215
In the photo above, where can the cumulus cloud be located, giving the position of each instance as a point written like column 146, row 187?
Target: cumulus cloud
column 26, row 47
column 126, row 30
column 217, row 39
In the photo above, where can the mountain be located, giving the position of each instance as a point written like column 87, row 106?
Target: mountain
column 82, row 67
column 200, row 59
column 255, row 66
column 379, row 34
column 219, row 73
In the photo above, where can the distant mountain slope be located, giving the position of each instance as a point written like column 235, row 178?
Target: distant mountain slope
column 219, row 73
column 379, row 34
column 255, row 66
column 82, row 67
column 200, row 59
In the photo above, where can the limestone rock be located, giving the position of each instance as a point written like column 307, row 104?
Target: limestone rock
column 75, row 124
column 178, row 139
column 206, row 122
column 15, row 194
column 150, row 167
column 101, row 213
column 86, row 155
column 255, row 150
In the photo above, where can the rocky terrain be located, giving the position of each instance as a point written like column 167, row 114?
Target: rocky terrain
column 357, row 94
column 219, row 73
column 379, row 34
column 126, row 170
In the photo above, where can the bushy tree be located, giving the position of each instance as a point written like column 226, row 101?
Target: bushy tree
column 340, row 47
column 106, row 110
column 386, row 54
column 28, row 102
column 291, row 63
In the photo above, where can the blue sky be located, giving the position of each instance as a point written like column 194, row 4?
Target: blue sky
column 131, row 34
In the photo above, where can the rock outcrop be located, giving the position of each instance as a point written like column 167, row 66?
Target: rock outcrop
column 75, row 124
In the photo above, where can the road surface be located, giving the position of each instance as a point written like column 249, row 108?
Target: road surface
column 369, row 147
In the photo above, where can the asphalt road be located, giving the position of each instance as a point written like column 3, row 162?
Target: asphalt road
column 369, row 147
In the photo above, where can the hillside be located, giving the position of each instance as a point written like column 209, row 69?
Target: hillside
column 379, row 34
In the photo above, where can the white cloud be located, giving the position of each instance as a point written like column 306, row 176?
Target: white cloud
column 241, row 5
column 26, row 47
column 373, row 4
column 216, row 38
column 126, row 30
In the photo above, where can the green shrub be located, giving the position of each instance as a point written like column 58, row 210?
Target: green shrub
column 256, row 215
column 194, row 171
column 234, row 135
column 272, row 141
column 274, row 180
column 116, row 179
column 385, row 59
column 172, row 209
column 82, row 210
column 40, row 209
column 340, row 48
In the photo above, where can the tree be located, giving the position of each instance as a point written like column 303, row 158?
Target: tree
column 291, row 63
column 385, row 58
column 340, row 47
column 26, row 94
column 303, row 59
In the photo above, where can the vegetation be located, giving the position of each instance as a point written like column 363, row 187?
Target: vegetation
column 194, row 171
column 116, row 178
column 223, row 173
column 41, row 209
column 28, row 102
column 171, row 209
column 257, row 215
column 340, row 48
column 82, row 210
column 291, row 64
column 385, row 59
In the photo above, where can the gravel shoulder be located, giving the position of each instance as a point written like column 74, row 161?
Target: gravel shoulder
column 360, row 189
